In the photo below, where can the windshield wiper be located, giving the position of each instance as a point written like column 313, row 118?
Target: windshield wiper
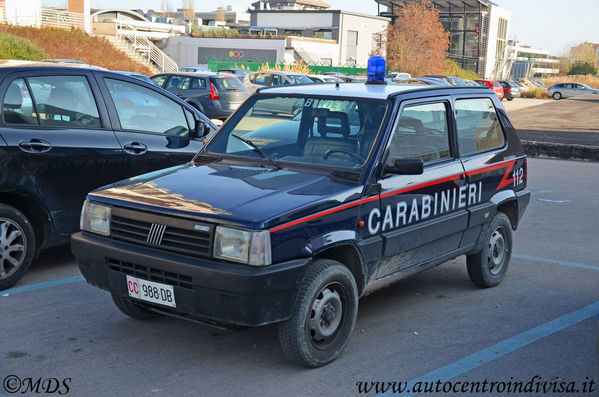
column 258, row 150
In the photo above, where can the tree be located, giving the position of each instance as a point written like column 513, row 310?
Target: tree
column 417, row 42
column 188, row 9
column 582, row 69
column 583, row 53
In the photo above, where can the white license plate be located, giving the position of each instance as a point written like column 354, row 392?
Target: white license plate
column 150, row 291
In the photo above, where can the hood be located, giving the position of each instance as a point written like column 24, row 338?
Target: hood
column 252, row 197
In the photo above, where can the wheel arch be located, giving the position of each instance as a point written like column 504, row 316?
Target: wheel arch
column 349, row 255
column 507, row 202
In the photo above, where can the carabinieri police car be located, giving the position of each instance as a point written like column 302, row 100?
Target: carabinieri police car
column 307, row 198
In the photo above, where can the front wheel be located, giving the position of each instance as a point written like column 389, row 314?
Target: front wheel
column 17, row 245
column 324, row 315
column 487, row 268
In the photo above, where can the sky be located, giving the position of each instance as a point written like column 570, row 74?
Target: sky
column 555, row 25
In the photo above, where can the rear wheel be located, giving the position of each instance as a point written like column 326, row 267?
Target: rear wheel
column 557, row 96
column 17, row 245
column 133, row 309
column 324, row 316
column 487, row 268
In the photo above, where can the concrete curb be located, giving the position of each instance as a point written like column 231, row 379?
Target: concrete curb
column 561, row 151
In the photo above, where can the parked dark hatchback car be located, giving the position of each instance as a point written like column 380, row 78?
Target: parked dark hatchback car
column 215, row 95
column 510, row 90
column 65, row 131
column 290, row 219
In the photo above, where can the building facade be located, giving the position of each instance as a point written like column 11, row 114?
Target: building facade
column 527, row 62
column 353, row 33
column 478, row 31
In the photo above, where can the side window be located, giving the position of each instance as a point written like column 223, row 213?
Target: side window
column 478, row 127
column 140, row 108
column 261, row 79
column 178, row 83
column 277, row 79
column 17, row 107
column 421, row 132
column 198, row 84
column 159, row 80
column 64, row 101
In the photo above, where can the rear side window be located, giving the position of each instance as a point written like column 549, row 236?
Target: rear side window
column 422, row 132
column 142, row 109
column 198, row 84
column 478, row 127
column 64, row 101
column 17, row 107
column 228, row 84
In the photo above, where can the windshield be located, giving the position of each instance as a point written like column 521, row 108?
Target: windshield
column 329, row 132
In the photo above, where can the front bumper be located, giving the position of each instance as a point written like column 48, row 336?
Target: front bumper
column 205, row 290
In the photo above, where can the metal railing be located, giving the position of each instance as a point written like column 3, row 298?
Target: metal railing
column 63, row 19
column 47, row 17
column 143, row 46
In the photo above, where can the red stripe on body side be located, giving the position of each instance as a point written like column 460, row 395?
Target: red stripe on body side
column 509, row 164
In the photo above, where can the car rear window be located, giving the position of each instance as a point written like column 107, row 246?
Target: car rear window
column 227, row 83
column 496, row 84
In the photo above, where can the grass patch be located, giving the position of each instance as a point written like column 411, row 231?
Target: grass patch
column 76, row 44
column 13, row 47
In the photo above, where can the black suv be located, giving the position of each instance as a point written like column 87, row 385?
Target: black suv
column 290, row 218
column 65, row 131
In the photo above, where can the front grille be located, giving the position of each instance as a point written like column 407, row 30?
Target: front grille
column 181, row 236
column 150, row 273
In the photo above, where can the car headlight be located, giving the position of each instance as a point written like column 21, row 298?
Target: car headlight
column 95, row 218
column 244, row 246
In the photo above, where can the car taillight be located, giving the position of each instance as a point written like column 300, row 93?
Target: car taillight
column 509, row 90
column 213, row 92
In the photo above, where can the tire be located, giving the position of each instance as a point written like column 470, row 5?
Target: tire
column 17, row 245
column 510, row 98
column 487, row 268
column 133, row 309
column 557, row 96
column 328, row 290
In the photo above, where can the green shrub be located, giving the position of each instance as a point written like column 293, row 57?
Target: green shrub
column 582, row 69
column 13, row 47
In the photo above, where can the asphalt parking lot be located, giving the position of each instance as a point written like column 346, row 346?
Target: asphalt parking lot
column 567, row 121
column 540, row 324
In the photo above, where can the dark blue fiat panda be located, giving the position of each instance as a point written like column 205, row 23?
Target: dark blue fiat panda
column 306, row 199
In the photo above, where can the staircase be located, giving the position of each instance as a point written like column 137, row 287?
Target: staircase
column 141, row 49
column 123, row 45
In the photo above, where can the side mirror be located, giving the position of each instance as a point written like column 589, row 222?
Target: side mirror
column 406, row 167
column 200, row 129
column 178, row 141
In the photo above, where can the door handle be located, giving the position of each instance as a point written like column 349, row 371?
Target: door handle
column 135, row 148
column 35, row 146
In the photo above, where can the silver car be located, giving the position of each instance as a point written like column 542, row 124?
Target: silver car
column 271, row 78
column 566, row 90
